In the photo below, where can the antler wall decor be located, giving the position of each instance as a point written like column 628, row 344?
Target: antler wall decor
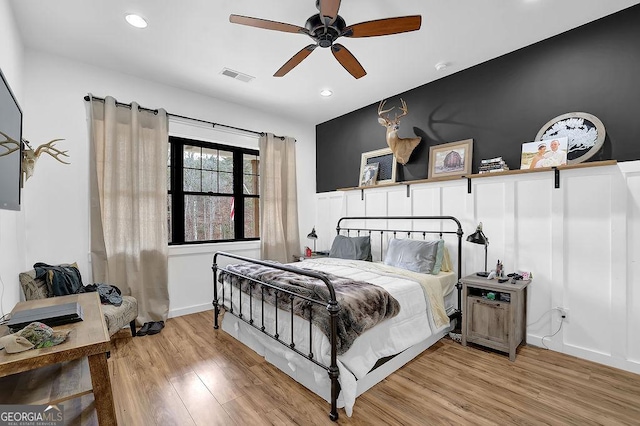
column 29, row 155
column 401, row 147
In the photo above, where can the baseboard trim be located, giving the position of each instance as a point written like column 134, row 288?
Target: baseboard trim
column 190, row 310
column 589, row 355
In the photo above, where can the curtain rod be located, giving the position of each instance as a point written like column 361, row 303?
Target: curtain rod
column 155, row 111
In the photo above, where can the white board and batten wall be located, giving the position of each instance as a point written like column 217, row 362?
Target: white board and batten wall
column 581, row 241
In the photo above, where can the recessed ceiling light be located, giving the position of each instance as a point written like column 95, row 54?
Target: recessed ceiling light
column 136, row 20
column 326, row 93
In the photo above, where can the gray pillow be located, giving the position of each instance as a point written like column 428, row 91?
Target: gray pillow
column 354, row 248
column 413, row 255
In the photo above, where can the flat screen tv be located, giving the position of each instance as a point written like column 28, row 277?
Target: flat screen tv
column 10, row 148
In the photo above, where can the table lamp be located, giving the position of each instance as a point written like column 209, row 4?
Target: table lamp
column 478, row 237
column 313, row 236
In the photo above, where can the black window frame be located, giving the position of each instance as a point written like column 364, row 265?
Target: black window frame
column 177, row 193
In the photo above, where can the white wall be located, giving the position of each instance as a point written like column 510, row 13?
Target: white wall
column 581, row 241
column 56, row 197
column 12, row 230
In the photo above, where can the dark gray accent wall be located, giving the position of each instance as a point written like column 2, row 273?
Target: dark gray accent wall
column 503, row 103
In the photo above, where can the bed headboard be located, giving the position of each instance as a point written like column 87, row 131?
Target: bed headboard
column 381, row 228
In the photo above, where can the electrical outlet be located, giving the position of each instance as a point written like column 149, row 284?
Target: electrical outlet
column 563, row 314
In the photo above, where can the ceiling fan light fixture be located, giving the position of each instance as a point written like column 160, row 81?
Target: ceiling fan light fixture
column 326, row 93
column 136, row 20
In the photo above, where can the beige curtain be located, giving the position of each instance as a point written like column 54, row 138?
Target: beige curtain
column 279, row 236
column 128, row 184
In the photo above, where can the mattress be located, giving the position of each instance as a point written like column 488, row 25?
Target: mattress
column 414, row 324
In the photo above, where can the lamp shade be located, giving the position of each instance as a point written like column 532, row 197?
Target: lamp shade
column 312, row 235
column 478, row 237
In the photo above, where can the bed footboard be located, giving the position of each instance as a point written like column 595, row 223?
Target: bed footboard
column 332, row 307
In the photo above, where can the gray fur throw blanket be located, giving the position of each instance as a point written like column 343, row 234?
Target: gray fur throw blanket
column 362, row 305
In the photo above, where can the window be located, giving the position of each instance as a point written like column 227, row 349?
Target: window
column 213, row 192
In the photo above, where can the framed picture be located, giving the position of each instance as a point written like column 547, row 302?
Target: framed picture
column 369, row 174
column 585, row 134
column 386, row 165
column 547, row 153
column 450, row 159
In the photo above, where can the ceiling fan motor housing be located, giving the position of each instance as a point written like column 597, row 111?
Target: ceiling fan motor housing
column 325, row 38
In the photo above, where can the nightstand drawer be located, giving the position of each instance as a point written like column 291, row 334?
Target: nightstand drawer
column 488, row 320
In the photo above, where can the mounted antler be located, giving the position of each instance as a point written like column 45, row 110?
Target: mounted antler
column 8, row 144
column 31, row 156
column 401, row 147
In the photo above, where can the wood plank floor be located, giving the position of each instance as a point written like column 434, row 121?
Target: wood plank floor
column 190, row 374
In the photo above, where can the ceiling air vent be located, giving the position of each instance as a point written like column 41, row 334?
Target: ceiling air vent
column 237, row 75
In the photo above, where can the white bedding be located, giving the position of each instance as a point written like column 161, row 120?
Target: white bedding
column 414, row 324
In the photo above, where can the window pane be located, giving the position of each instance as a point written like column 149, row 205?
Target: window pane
column 208, row 218
column 192, row 181
column 209, row 181
column 252, row 218
column 250, row 167
column 225, row 161
column 226, row 183
column 191, row 157
column 251, row 185
column 209, row 159
column 250, row 164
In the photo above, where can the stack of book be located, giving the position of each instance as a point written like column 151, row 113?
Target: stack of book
column 492, row 165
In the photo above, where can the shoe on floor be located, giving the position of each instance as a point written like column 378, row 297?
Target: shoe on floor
column 155, row 327
column 144, row 329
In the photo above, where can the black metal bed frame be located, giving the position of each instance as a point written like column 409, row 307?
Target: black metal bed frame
column 332, row 305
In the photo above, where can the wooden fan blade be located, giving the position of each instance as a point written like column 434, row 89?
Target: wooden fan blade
column 347, row 60
column 329, row 8
column 266, row 24
column 382, row 27
column 295, row 60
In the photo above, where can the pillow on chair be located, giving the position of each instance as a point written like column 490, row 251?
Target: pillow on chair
column 33, row 288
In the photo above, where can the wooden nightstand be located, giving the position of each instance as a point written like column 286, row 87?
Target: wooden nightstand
column 499, row 324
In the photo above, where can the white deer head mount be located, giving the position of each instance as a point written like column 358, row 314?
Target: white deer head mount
column 401, row 147
column 29, row 155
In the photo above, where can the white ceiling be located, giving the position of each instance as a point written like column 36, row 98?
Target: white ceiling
column 187, row 43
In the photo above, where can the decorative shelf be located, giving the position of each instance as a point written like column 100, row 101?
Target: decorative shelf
column 556, row 171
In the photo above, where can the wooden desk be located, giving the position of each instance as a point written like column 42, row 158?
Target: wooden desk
column 89, row 339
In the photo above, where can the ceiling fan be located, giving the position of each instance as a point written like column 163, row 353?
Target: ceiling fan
column 326, row 27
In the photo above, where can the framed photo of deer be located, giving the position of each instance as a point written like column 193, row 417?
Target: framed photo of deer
column 451, row 159
column 386, row 166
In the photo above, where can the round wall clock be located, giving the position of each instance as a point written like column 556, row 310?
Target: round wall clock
column 585, row 134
